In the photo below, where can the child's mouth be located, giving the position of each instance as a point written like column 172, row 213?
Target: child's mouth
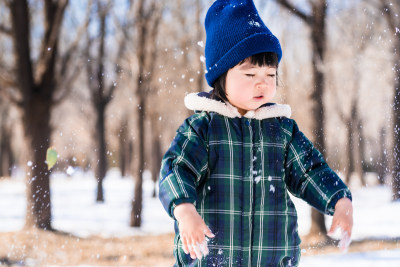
column 259, row 97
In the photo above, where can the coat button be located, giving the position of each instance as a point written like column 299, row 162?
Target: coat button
column 247, row 123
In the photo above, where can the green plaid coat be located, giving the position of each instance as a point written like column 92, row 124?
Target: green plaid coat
column 237, row 171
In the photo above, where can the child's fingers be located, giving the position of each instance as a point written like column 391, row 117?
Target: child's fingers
column 204, row 248
column 197, row 250
column 194, row 252
column 333, row 228
column 345, row 241
column 185, row 245
column 208, row 232
column 191, row 252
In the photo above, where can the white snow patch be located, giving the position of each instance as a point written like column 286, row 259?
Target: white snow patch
column 75, row 211
column 254, row 23
column 271, row 188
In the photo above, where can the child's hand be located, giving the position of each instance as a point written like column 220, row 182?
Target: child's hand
column 192, row 230
column 343, row 219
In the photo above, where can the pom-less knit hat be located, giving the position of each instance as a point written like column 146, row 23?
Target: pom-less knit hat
column 235, row 32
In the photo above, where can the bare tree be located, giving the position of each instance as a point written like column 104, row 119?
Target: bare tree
column 355, row 40
column 101, row 93
column 316, row 22
column 125, row 148
column 391, row 10
column 37, row 84
column 148, row 15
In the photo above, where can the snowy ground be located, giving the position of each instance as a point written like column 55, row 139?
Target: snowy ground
column 74, row 210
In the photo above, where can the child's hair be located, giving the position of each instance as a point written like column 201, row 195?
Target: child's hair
column 269, row 59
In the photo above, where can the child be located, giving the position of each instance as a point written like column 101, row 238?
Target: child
column 225, row 179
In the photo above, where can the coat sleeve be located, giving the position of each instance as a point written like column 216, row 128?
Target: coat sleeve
column 184, row 164
column 309, row 177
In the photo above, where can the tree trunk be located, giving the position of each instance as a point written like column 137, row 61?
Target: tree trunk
column 122, row 138
column 136, row 213
column 360, row 152
column 6, row 153
column 101, row 151
column 350, row 150
column 125, row 149
column 37, row 132
column 147, row 28
column 396, row 123
column 37, row 88
column 318, row 32
column 391, row 10
column 156, row 151
column 382, row 166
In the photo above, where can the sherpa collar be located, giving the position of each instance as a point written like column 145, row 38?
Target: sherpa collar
column 202, row 102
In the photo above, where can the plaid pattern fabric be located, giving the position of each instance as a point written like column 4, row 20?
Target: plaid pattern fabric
column 237, row 172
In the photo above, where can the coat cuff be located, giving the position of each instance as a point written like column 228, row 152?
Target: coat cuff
column 330, row 207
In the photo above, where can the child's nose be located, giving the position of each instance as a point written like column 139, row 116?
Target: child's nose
column 261, row 82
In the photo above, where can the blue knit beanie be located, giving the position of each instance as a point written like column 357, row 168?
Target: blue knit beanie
column 235, row 32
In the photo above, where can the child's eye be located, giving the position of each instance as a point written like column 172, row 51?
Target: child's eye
column 271, row 75
column 249, row 75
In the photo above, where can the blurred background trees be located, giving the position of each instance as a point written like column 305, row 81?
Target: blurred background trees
column 104, row 81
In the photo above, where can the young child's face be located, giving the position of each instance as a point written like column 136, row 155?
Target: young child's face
column 250, row 86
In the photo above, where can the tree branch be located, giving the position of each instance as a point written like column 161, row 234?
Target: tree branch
column 10, row 95
column 65, row 79
column 69, row 53
column 54, row 12
column 66, row 85
column 291, row 8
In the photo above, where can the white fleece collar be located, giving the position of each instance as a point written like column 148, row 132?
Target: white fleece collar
column 200, row 103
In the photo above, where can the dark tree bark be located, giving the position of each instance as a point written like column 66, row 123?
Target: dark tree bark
column 383, row 159
column 6, row 153
column 391, row 9
column 355, row 147
column 101, row 93
column 100, row 99
column 37, row 85
column 350, row 149
column 156, row 153
column 147, row 21
column 125, row 149
column 316, row 22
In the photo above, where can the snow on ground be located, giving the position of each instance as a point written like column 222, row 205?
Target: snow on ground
column 75, row 210
column 384, row 258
